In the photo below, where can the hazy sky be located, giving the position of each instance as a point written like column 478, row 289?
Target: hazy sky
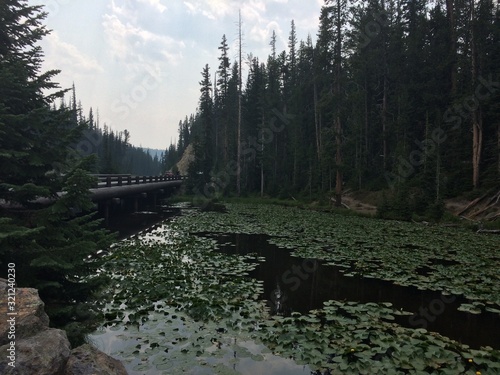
column 139, row 62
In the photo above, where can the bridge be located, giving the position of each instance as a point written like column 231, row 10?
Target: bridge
column 124, row 192
column 111, row 186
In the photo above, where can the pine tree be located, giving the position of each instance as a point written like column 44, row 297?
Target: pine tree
column 45, row 234
column 220, row 101
column 206, row 118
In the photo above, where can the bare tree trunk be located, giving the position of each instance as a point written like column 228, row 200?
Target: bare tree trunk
column 477, row 123
column 498, row 148
column 384, row 122
column 357, row 158
column 216, row 122
column 262, row 180
column 320, row 133
column 238, row 175
column 338, row 162
column 385, row 85
column 295, row 171
column 226, row 136
column 453, row 46
column 262, row 157
column 477, row 146
column 366, row 121
column 310, row 178
column 316, row 121
column 338, row 124
column 275, row 175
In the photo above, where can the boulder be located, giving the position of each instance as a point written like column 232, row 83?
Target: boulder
column 36, row 349
column 31, row 317
column 87, row 360
column 45, row 353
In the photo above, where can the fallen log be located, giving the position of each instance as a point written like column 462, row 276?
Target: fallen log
column 491, row 231
column 497, row 196
column 473, row 203
column 332, row 199
column 482, row 210
column 494, row 217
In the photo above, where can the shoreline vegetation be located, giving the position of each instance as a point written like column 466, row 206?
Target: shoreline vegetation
column 359, row 203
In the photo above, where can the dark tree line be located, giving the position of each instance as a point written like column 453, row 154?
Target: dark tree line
column 397, row 95
column 114, row 152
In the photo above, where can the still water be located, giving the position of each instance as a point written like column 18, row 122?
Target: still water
column 308, row 283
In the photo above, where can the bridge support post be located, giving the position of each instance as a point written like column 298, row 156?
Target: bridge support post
column 106, row 212
column 154, row 199
column 136, row 203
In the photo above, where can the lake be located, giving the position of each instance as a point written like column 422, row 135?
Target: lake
column 267, row 289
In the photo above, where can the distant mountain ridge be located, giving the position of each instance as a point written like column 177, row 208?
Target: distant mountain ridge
column 154, row 151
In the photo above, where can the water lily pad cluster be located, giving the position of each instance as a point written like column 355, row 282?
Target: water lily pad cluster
column 169, row 341
column 177, row 305
column 354, row 338
column 456, row 261
column 184, row 272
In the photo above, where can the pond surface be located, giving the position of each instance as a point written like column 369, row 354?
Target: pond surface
column 265, row 289
column 308, row 283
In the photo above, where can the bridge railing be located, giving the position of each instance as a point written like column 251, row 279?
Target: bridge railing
column 111, row 180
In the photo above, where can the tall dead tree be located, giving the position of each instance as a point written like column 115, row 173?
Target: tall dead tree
column 238, row 176
column 477, row 122
column 339, row 21
column 450, row 10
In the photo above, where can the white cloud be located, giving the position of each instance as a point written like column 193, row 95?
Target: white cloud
column 252, row 13
column 129, row 40
column 214, row 10
column 262, row 33
column 156, row 4
column 220, row 8
column 191, row 7
column 69, row 57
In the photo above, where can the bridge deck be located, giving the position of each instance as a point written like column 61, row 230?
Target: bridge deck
column 116, row 186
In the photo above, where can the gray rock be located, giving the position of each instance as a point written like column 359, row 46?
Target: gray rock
column 45, row 353
column 40, row 350
column 31, row 317
column 87, row 360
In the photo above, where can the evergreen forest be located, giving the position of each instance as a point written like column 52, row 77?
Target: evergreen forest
column 395, row 96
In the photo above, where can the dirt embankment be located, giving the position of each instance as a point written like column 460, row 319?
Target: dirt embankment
column 484, row 208
column 356, row 203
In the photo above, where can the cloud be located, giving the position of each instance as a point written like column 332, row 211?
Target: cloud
column 192, row 9
column 253, row 11
column 220, row 8
column 212, row 9
column 70, row 58
column 156, row 4
column 262, row 33
column 132, row 39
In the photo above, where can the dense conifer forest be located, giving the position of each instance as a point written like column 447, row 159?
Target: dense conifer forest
column 114, row 152
column 401, row 96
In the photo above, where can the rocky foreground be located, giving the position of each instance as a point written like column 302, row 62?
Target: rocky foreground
column 28, row 346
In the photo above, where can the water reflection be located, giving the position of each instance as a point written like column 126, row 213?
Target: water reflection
column 296, row 284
